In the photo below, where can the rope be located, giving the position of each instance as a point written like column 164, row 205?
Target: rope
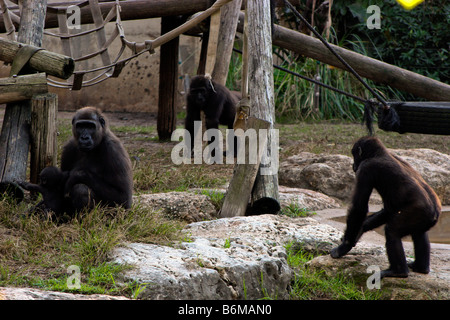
column 109, row 69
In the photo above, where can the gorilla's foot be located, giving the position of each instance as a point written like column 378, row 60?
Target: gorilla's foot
column 419, row 269
column 389, row 273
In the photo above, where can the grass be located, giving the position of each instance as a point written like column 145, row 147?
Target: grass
column 35, row 252
column 310, row 284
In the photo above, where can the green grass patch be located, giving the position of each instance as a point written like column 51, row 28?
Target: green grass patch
column 36, row 252
column 310, row 284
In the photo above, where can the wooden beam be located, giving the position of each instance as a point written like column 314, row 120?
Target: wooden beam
column 22, row 87
column 229, row 16
column 52, row 63
column 240, row 188
column 133, row 10
column 370, row 68
column 168, row 80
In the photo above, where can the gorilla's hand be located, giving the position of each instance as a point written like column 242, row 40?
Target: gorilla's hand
column 341, row 250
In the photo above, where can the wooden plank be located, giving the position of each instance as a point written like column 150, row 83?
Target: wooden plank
column 244, row 175
column 211, row 54
column 21, row 88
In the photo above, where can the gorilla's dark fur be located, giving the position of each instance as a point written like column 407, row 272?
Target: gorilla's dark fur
column 215, row 100
column 51, row 186
column 99, row 166
column 411, row 207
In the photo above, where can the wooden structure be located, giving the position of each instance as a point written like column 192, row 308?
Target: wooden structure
column 14, row 139
column 26, row 107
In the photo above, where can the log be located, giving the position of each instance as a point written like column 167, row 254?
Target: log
column 168, row 79
column 52, row 63
column 134, row 10
column 44, row 110
column 22, row 87
column 244, row 175
column 14, row 138
column 229, row 15
column 265, row 197
column 367, row 67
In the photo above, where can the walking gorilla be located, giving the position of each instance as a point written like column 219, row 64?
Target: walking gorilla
column 411, row 207
column 215, row 100
column 98, row 165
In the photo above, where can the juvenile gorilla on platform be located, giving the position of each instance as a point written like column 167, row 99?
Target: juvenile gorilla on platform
column 411, row 207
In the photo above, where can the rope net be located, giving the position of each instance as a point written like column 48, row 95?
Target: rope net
column 112, row 64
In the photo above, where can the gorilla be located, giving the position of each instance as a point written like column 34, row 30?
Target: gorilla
column 98, row 165
column 215, row 100
column 51, row 186
column 411, row 207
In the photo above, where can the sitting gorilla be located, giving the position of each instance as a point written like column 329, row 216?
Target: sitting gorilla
column 411, row 207
column 99, row 166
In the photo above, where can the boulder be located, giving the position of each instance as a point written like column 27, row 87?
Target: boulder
column 333, row 175
column 232, row 258
column 433, row 166
column 328, row 174
column 187, row 206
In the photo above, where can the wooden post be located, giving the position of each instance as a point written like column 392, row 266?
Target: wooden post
column 20, row 88
column 14, row 139
column 211, row 53
column 265, row 197
column 168, row 79
column 229, row 16
column 44, row 110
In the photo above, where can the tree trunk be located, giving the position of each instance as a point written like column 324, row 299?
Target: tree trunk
column 265, row 197
column 15, row 136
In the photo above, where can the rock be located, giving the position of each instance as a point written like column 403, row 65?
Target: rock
column 333, row 175
column 434, row 168
column 328, row 174
column 304, row 198
column 36, row 294
column 190, row 207
column 232, row 258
